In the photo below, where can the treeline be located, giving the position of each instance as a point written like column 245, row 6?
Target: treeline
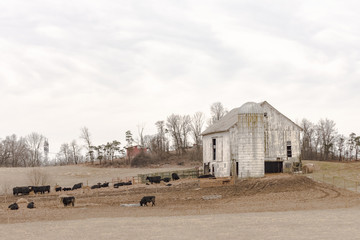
column 22, row 152
column 321, row 141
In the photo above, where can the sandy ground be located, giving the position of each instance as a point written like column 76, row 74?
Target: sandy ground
column 278, row 206
column 312, row 224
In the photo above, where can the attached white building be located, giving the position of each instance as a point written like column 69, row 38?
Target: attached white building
column 250, row 141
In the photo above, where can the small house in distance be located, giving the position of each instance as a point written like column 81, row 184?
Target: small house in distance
column 250, row 141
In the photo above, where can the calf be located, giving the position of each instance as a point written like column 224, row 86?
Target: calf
column 13, row 206
column 66, row 189
column 147, row 199
column 167, row 179
column 106, row 184
column 68, row 200
column 155, row 179
column 77, row 186
column 31, row 205
column 58, row 189
column 175, row 176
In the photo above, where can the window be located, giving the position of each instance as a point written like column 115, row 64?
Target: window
column 288, row 149
column 214, row 148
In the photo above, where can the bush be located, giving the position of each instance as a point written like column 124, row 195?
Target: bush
column 141, row 160
column 38, row 177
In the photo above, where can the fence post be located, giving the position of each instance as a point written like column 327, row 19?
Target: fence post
column 356, row 185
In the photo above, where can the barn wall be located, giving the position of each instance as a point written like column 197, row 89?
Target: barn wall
column 222, row 162
column 251, row 145
column 279, row 130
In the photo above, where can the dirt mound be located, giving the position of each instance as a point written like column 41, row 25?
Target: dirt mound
column 275, row 184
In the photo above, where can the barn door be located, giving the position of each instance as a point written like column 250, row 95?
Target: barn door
column 219, row 149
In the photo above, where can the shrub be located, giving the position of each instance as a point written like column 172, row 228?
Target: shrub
column 141, row 160
column 38, row 177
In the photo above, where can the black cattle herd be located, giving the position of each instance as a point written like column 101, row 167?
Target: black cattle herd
column 71, row 199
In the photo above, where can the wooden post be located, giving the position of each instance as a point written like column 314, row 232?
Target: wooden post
column 356, row 185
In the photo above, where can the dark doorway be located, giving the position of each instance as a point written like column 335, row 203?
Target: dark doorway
column 206, row 168
column 273, row 167
column 237, row 168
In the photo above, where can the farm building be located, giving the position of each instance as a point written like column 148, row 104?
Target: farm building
column 250, row 141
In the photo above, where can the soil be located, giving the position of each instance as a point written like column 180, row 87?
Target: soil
column 185, row 197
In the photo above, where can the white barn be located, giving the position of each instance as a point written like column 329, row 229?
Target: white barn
column 250, row 141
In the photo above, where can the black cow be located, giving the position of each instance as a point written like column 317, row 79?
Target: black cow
column 40, row 189
column 68, row 200
column 31, row 205
column 96, row 186
column 58, row 189
column 117, row 185
column 77, row 186
column 147, row 199
column 106, row 184
column 167, row 179
column 13, row 206
column 206, row 176
column 128, row 183
column 155, row 179
column 21, row 190
column 66, row 189
column 175, row 176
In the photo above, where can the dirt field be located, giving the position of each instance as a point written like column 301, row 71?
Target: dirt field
column 69, row 175
column 270, row 202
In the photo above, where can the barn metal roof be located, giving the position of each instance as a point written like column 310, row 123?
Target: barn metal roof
column 230, row 119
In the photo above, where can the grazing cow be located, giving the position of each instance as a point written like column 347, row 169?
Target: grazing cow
column 106, row 184
column 13, row 206
column 206, row 176
column 96, row 186
column 167, row 179
column 128, row 183
column 155, row 179
column 68, row 200
column 175, row 176
column 21, row 190
column 40, row 189
column 66, row 189
column 77, row 186
column 117, row 185
column 147, row 199
column 31, row 205
column 58, row 189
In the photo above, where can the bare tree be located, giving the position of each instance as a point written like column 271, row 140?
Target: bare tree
column 217, row 111
column 340, row 142
column 327, row 132
column 307, row 140
column 140, row 128
column 86, row 136
column 75, row 151
column 197, row 123
column 65, row 154
column 34, row 142
column 174, row 126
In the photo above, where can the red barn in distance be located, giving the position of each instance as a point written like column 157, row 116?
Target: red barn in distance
column 132, row 151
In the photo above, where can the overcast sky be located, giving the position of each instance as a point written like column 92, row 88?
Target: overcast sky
column 111, row 65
